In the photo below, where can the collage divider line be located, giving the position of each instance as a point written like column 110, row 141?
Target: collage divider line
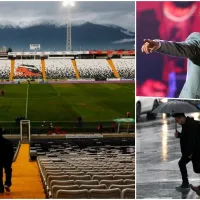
column 27, row 101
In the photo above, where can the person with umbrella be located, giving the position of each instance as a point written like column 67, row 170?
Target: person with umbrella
column 189, row 143
column 189, row 147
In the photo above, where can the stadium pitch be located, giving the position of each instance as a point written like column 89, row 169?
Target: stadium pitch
column 66, row 102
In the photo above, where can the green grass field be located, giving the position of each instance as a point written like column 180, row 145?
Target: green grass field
column 66, row 102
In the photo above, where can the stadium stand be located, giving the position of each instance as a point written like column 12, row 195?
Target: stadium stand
column 125, row 67
column 93, row 68
column 41, row 147
column 87, row 167
column 59, row 69
column 80, row 169
column 64, row 69
column 5, row 69
column 34, row 67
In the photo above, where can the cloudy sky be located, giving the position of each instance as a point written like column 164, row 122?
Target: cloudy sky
column 27, row 13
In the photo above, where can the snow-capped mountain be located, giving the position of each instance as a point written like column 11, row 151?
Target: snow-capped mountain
column 52, row 36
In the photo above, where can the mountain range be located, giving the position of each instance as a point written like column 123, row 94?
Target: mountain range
column 87, row 36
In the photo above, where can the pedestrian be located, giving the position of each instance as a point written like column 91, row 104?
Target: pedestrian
column 128, row 114
column 100, row 128
column 6, row 159
column 189, row 147
column 2, row 92
column 113, row 127
column 57, row 130
column 79, row 121
column 189, row 49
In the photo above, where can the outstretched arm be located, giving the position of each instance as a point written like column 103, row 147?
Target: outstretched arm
column 188, row 49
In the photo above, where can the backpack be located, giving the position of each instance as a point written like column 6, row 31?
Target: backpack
column 196, row 162
column 198, row 122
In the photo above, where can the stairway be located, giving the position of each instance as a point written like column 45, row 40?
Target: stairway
column 112, row 66
column 25, row 140
column 75, row 69
column 12, row 67
column 26, row 181
column 43, row 69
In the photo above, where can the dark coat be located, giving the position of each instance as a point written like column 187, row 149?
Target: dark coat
column 190, row 145
column 189, row 49
column 6, row 151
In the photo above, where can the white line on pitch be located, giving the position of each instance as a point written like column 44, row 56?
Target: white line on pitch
column 27, row 101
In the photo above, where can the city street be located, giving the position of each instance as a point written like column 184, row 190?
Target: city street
column 158, row 153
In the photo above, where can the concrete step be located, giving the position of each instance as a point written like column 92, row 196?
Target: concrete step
column 25, row 141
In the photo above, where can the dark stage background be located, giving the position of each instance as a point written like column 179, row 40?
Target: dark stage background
column 157, row 74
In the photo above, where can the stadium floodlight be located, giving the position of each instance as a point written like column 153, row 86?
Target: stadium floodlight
column 69, row 4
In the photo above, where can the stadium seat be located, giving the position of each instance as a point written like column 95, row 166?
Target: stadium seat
column 84, row 177
column 51, row 178
column 53, row 171
column 87, row 182
column 89, row 187
column 104, row 194
column 84, row 168
column 128, row 194
column 68, row 168
column 121, row 187
column 128, row 182
column 74, row 173
column 129, row 172
column 56, row 188
column 53, row 174
column 72, row 194
column 62, row 183
column 116, row 177
column 95, row 173
column 108, row 183
column 102, row 177
column 115, row 173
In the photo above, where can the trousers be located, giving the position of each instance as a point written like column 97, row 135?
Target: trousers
column 8, row 171
column 182, row 165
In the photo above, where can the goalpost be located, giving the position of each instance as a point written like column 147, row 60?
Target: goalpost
column 25, row 130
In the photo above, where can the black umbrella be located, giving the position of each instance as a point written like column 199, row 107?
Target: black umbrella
column 172, row 107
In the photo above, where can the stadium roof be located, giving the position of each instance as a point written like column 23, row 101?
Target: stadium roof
column 98, row 52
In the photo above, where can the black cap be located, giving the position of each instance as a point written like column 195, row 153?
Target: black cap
column 178, row 115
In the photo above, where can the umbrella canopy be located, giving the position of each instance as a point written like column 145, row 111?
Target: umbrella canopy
column 172, row 107
column 124, row 120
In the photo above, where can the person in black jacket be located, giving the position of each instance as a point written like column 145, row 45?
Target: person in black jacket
column 189, row 147
column 6, row 159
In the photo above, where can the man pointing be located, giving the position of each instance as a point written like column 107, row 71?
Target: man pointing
column 189, row 49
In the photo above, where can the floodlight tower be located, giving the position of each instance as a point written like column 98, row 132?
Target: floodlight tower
column 69, row 4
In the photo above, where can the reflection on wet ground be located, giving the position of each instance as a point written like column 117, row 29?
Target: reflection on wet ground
column 158, row 153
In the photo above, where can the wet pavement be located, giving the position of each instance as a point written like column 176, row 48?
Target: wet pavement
column 158, row 153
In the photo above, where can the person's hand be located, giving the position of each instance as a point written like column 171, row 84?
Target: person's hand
column 176, row 134
column 149, row 46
